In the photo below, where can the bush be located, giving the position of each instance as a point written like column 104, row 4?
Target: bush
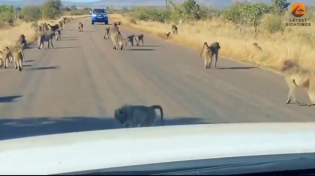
column 272, row 23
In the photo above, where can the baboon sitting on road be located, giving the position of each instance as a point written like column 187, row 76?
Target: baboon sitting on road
column 80, row 27
column 211, row 50
column 106, row 36
column 296, row 76
column 138, row 116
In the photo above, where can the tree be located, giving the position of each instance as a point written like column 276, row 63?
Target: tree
column 31, row 13
column 51, row 9
column 280, row 6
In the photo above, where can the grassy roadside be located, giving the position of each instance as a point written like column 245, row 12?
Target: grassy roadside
column 9, row 35
column 293, row 43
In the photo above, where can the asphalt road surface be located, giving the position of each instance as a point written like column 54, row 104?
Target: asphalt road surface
column 78, row 85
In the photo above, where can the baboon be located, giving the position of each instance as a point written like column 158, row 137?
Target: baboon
column 54, row 27
column 256, row 46
column 138, row 115
column 21, row 41
column 139, row 38
column 5, row 57
column 18, row 57
column 116, row 37
column 174, row 29
column 118, row 23
column 44, row 37
column 297, row 76
column 211, row 50
column 80, row 27
column 60, row 25
column 168, row 35
column 58, row 34
column 130, row 40
column 106, row 36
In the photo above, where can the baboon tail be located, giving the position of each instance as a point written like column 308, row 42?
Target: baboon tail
column 203, row 47
column 161, row 111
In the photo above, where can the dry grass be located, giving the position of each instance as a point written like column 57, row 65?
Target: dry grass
column 294, row 42
column 9, row 35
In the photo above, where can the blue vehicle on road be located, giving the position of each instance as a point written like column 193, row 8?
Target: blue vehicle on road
column 99, row 16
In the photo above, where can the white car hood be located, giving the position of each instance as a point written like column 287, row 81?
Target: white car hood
column 61, row 153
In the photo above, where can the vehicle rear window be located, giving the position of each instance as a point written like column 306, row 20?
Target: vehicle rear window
column 99, row 11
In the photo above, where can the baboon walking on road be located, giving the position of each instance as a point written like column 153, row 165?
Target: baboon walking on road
column 130, row 40
column 140, row 38
column 116, row 37
column 297, row 76
column 211, row 50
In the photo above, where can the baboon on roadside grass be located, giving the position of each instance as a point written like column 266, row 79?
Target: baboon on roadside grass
column 211, row 50
column 256, row 46
column 167, row 35
column 297, row 76
column 138, row 115
column 174, row 29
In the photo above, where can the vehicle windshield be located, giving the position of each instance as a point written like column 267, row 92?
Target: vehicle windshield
column 99, row 11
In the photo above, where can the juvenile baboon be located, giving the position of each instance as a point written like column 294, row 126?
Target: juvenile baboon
column 80, row 27
column 58, row 34
column 168, row 35
column 116, row 37
column 21, row 41
column 130, row 40
column 45, row 37
column 211, row 50
column 256, row 46
column 106, row 36
column 60, row 25
column 140, row 38
column 138, row 115
column 174, row 29
column 297, row 76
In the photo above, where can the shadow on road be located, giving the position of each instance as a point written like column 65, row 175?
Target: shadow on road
column 68, row 39
column 44, row 68
column 141, row 49
column 89, row 31
column 66, row 46
column 9, row 99
column 29, row 61
column 27, row 65
column 27, row 127
column 237, row 68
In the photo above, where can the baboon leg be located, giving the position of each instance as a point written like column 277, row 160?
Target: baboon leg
column 206, row 61
column 209, row 60
column 6, row 62
column 121, row 45
column 291, row 96
column 51, row 43
column 48, row 42
column 20, row 65
column 39, row 42
column 142, row 42
column 15, row 64
column 216, row 60
column 311, row 94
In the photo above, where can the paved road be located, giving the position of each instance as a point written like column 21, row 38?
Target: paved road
column 77, row 86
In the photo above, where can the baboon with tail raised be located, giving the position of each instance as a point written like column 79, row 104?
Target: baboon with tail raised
column 210, row 51
column 167, row 35
column 138, row 115
column 174, row 29
column 297, row 76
